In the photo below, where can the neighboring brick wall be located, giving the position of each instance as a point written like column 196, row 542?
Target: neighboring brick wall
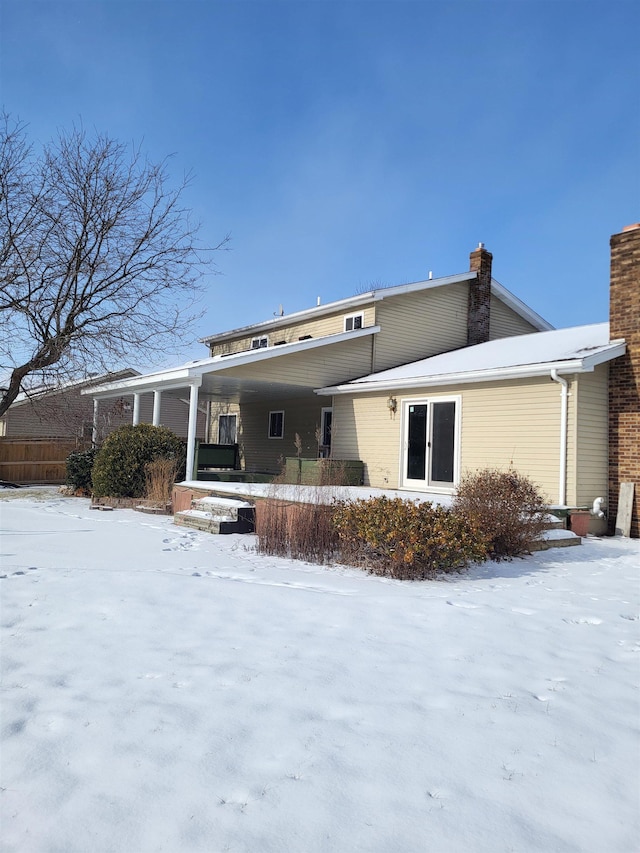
column 624, row 373
column 478, row 317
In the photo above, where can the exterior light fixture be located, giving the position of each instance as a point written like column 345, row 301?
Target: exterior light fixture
column 392, row 405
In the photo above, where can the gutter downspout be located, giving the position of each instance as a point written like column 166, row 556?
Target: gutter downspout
column 564, row 419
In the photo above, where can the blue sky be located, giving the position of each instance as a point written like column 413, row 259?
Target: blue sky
column 348, row 144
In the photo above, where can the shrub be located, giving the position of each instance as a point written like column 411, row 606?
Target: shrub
column 405, row 540
column 160, row 475
column 301, row 531
column 506, row 506
column 119, row 468
column 79, row 465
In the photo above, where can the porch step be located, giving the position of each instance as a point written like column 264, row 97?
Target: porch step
column 218, row 515
column 556, row 538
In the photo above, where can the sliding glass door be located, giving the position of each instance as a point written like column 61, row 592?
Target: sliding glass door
column 430, row 443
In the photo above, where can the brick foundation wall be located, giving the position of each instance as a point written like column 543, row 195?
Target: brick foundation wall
column 478, row 317
column 624, row 373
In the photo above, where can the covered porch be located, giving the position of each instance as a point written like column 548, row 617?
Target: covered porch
column 263, row 402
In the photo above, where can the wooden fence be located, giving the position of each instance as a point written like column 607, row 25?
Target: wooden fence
column 36, row 460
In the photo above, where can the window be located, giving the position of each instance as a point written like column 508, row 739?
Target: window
column 353, row 321
column 276, row 424
column 227, row 429
column 325, row 432
column 259, row 343
column 431, row 443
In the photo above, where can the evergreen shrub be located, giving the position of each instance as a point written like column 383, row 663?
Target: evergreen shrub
column 506, row 506
column 79, row 465
column 119, row 470
column 405, row 540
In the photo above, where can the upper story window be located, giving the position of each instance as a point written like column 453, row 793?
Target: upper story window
column 260, row 343
column 353, row 321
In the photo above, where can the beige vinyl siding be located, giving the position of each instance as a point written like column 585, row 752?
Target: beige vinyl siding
column 174, row 414
column 364, row 429
column 217, row 408
column 505, row 322
column 420, row 324
column 592, row 437
column 314, row 368
column 503, row 424
column 331, row 324
column 261, row 453
column 514, row 424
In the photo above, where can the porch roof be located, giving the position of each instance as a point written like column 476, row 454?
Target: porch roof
column 286, row 370
column 574, row 350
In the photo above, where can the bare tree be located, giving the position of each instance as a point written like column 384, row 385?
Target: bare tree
column 98, row 258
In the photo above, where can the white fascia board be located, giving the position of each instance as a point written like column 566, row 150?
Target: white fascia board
column 347, row 304
column 576, row 365
column 25, row 397
column 430, row 284
column 223, row 362
column 614, row 350
column 162, row 381
column 192, row 373
column 520, row 307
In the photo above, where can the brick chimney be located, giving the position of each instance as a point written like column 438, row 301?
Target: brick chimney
column 624, row 373
column 479, row 296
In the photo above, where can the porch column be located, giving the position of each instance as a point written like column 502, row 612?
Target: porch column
column 157, row 400
column 94, row 431
column 191, row 432
column 136, row 409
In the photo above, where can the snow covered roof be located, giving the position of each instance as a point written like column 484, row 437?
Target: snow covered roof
column 71, row 384
column 575, row 350
column 378, row 295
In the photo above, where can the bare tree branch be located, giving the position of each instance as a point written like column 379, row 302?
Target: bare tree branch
column 99, row 260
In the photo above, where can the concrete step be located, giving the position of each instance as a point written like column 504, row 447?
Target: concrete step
column 556, row 538
column 218, row 515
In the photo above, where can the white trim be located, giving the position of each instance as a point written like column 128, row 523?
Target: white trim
column 338, row 306
column 136, row 410
column 192, row 428
column 325, row 410
column 233, row 415
column 517, row 305
column 182, row 376
column 157, row 405
column 564, row 420
column 425, row 485
column 353, row 317
column 94, row 425
column 519, row 371
column 275, row 412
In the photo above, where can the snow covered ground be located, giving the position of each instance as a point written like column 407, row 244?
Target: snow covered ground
column 168, row 690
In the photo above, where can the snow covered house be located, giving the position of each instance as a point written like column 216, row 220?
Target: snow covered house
column 419, row 383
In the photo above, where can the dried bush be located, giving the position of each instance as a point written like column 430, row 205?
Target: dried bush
column 119, row 468
column 302, row 531
column 403, row 539
column 160, row 475
column 506, row 506
column 79, row 466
